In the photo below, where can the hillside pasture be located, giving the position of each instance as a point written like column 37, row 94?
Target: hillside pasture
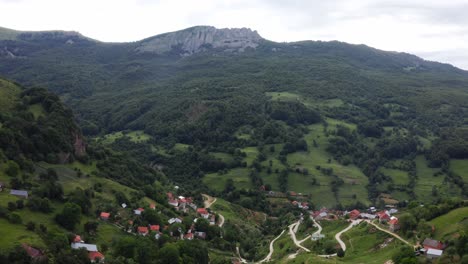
column 450, row 224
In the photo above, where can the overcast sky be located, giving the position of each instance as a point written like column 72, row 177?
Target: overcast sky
column 433, row 29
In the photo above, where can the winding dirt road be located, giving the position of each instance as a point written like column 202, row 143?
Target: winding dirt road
column 209, row 201
column 391, row 233
column 268, row 257
column 292, row 232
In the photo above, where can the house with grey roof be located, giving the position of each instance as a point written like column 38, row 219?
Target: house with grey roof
column 20, row 193
column 88, row 247
column 434, row 253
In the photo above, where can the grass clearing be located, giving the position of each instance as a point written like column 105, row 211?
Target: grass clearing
column 399, row 177
column 283, row 247
column 367, row 245
column 317, row 156
column 12, row 235
column 460, row 167
column 181, row 147
column 252, row 153
column 217, row 182
column 426, row 179
column 225, row 157
column 451, row 223
column 136, row 136
column 37, row 110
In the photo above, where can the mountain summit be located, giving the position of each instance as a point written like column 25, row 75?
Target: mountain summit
column 196, row 39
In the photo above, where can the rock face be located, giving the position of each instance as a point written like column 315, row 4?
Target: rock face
column 200, row 38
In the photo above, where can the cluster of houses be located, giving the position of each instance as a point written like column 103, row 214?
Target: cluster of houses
column 384, row 216
column 93, row 253
column 300, row 205
column 181, row 204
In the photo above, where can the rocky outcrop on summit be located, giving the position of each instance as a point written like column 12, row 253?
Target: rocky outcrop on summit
column 197, row 39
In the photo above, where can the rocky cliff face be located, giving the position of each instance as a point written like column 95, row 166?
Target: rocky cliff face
column 200, row 38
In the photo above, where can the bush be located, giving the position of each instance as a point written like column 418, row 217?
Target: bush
column 15, row 218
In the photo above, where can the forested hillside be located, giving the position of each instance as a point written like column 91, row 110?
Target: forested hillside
column 348, row 125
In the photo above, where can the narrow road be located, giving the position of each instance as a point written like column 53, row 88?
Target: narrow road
column 268, row 257
column 240, row 258
column 338, row 235
column 319, row 231
column 221, row 222
column 209, row 201
column 293, row 227
column 391, row 233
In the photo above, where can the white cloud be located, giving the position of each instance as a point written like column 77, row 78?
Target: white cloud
column 432, row 29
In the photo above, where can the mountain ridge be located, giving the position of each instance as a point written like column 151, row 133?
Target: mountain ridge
column 188, row 42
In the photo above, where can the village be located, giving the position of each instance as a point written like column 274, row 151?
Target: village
column 131, row 221
column 385, row 220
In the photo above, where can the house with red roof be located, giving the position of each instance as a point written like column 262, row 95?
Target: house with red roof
column 383, row 217
column 188, row 236
column 143, row 230
column 354, row 214
column 393, row 224
column 77, row 239
column 96, row 257
column 434, row 244
column 203, row 213
column 105, row 216
column 154, row 228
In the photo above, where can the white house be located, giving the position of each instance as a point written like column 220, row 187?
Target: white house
column 434, row 253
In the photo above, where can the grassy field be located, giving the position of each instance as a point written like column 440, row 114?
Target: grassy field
column 180, row 147
column 283, row 246
column 460, row 167
column 450, row 223
column 236, row 213
column 367, row 245
column 136, row 136
column 252, row 153
column 37, row 110
column 426, row 179
column 330, row 228
column 354, row 180
column 225, row 157
column 217, row 182
column 399, row 177
column 12, row 235
column 294, row 97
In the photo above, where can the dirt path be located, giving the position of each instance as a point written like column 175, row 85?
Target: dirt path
column 319, row 231
column 240, row 258
column 268, row 257
column 338, row 235
column 393, row 234
column 209, row 200
column 292, row 232
column 221, row 222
